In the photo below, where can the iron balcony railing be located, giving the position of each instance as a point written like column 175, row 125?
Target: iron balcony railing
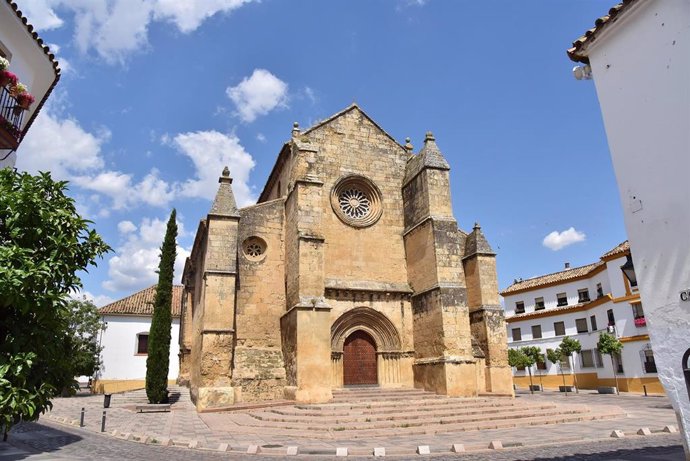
column 11, row 115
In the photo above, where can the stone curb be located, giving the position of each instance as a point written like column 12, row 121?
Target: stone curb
column 292, row 450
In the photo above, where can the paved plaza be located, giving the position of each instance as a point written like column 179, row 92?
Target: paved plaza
column 186, row 434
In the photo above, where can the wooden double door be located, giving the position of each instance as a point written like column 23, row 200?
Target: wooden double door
column 359, row 360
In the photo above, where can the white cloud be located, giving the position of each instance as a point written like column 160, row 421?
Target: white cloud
column 125, row 227
column 558, row 240
column 210, row 152
column 258, row 94
column 117, row 28
column 98, row 300
column 260, row 137
column 59, row 144
column 136, row 261
column 41, row 14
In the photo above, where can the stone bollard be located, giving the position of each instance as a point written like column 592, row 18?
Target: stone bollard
column 458, row 448
column 423, row 450
column 341, row 451
column 379, row 451
column 496, row 445
column 617, row 434
column 644, row 431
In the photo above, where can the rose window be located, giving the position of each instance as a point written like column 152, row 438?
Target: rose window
column 254, row 248
column 354, row 203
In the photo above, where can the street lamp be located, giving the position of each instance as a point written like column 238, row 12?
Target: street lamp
column 629, row 271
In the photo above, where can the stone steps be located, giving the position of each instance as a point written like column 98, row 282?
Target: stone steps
column 405, row 430
column 440, row 417
column 392, row 407
column 373, row 394
column 321, row 425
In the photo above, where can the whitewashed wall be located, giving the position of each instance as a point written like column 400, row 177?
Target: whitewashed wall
column 641, row 69
column 119, row 342
column 28, row 62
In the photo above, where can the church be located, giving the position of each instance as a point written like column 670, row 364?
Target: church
column 350, row 270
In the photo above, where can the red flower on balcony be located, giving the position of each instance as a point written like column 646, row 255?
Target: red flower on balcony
column 640, row 322
column 7, row 78
column 25, row 100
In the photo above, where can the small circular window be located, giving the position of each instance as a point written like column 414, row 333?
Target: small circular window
column 254, row 248
column 356, row 201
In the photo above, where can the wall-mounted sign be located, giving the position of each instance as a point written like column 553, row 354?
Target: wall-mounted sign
column 685, row 295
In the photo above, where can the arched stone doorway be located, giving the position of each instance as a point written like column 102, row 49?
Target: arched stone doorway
column 359, row 360
column 367, row 337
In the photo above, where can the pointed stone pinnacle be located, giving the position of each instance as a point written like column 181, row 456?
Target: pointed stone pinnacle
column 226, row 172
column 429, row 137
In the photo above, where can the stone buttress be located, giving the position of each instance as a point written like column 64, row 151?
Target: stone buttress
column 444, row 359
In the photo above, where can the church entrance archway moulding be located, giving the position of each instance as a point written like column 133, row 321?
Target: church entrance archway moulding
column 368, row 338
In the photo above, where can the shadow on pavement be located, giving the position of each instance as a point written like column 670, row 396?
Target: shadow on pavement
column 34, row 437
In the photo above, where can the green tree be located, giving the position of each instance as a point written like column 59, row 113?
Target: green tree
column 518, row 358
column 534, row 353
column 86, row 324
column 609, row 344
column 555, row 356
column 568, row 347
column 44, row 243
column 158, row 360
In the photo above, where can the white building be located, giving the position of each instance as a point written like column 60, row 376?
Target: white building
column 580, row 303
column 33, row 64
column 125, row 341
column 640, row 60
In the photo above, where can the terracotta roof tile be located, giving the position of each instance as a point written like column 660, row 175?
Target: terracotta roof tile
column 35, row 36
column 562, row 276
column 576, row 52
column 141, row 303
column 622, row 248
column 565, row 275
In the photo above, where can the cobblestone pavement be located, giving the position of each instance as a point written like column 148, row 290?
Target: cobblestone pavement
column 50, row 441
column 183, row 425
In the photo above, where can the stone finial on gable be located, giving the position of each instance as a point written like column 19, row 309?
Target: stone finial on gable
column 408, row 145
column 295, row 130
column 224, row 204
column 476, row 243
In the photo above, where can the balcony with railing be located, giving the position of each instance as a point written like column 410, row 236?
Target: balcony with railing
column 11, row 115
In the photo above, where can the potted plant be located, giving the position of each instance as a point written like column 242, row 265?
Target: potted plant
column 7, row 78
column 24, row 100
column 17, row 89
column 4, row 63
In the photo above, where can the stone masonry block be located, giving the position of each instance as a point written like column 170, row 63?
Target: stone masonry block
column 223, row 447
column 341, row 451
column 292, row 451
column 617, row 434
column 423, row 450
column 671, row 429
column 379, row 451
column 496, row 445
column 253, row 450
column 644, row 431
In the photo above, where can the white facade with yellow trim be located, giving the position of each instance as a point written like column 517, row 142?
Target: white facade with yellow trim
column 581, row 303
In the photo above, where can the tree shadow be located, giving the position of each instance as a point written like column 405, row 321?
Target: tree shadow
column 36, row 438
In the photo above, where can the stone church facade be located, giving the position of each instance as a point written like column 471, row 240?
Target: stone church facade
column 350, row 270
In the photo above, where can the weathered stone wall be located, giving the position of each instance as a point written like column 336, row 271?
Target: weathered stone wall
column 258, row 363
column 482, row 282
column 421, row 257
column 352, row 144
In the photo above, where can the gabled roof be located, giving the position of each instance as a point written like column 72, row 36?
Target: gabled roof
column 567, row 275
column 578, row 51
column 349, row 108
column 141, row 303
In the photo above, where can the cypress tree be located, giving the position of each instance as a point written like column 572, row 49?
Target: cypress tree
column 158, row 360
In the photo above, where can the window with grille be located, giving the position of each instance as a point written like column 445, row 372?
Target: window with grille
column 559, row 328
column 648, row 363
column 538, row 304
column 593, row 321
column 598, row 359
column 637, row 310
column 600, row 290
column 618, row 363
column 520, row 307
column 583, row 295
column 611, row 318
column 581, row 325
column 561, row 299
column 542, row 365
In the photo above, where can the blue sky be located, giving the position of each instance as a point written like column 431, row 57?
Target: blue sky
column 158, row 95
